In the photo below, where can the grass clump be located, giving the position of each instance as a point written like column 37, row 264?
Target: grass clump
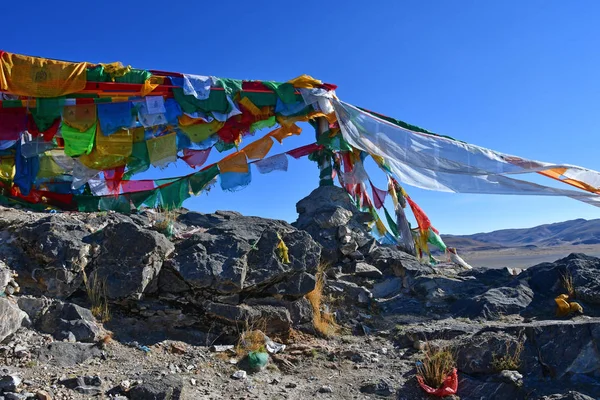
column 567, row 282
column 510, row 359
column 324, row 322
column 251, row 339
column 96, row 292
column 435, row 365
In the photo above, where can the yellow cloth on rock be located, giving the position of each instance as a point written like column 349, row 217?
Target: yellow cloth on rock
column 235, row 162
column 305, row 81
column 40, row 77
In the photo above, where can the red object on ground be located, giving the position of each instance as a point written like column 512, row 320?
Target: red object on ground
column 449, row 387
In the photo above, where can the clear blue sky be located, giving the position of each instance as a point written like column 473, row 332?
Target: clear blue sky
column 516, row 76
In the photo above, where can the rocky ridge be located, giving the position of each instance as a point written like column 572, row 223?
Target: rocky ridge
column 178, row 303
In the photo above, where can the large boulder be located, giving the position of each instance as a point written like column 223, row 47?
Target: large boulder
column 65, row 320
column 331, row 218
column 547, row 281
column 128, row 260
column 495, row 303
column 53, row 254
column 236, row 254
column 11, row 318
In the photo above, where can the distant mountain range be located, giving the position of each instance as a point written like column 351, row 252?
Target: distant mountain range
column 577, row 231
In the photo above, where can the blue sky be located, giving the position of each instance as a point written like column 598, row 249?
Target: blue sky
column 514, row 76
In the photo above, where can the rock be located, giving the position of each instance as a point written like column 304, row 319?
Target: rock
column 362, row 269
column 513, row 377
column 419, row 345
column 15, row 396
column 89, row 385
column 62, row 319
column 125, row 385
column 390, row 260
column 5, row 276
column 240, row 254
column 471, row 389
column 351, row 291
column 169, row 387
column 570, row 395
column 382, row 388
column 129, row 259
column 387, row 288
column 291, row 385
column 241, row 374
column 9, row 383
column 65, row 354
column 11, row 316
column 495, row 303
column 277, row 319
column 43, row 395
column 477, row 353
column 325, row 389
column 34, row 307
column 53, row 255
column 329, row 216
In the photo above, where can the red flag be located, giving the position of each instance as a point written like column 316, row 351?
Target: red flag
column 304, row 150
column 378, row 196
column 136, row 186
column 195, row 158
column 113, row 179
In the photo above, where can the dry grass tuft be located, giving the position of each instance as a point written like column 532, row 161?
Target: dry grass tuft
column 96, row 291
column 567, row 282
column 251, row 338
column 436, row 364
column 164, row 222
column 511, row 357
column 324, row 322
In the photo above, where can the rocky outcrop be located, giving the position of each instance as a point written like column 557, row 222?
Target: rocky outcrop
column 11, row 316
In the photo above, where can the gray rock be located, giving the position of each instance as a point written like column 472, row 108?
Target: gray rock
column 513, row 377
column 387, row 288
column 129, row 259
column 90, row 385
column 34, row 307
column 5, row 276
column 325, row 389
column 65, row 354
column 367, row 271
column 240, row 254
column 63, row 319
column 169, row 387
column 382, row 388
column 54, row 254
column 241, row 374
column 475, row 389
column 477, row 353
column 495, row 303
column 389, row 259
column 15, row 396
column 351, row 291
column 570, row 395
column 276, row 318
column 11, row 316
column 9, row 383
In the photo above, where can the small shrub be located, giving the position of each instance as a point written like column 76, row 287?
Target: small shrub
column 435, row 365
column 567, row 282
column 251, row 339
column 164, row 222
column 96, row 292
column 324, row 322
column 511, row 359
